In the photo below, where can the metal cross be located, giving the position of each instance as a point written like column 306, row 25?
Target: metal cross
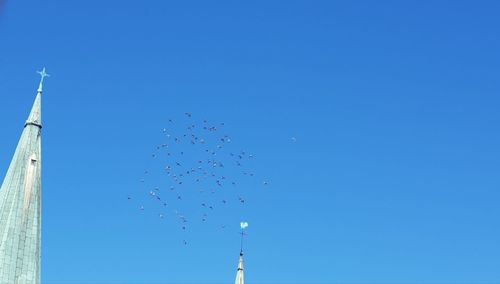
column 43, row 74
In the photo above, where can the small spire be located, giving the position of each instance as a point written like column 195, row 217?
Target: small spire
column 43, row 74
column 240, row 274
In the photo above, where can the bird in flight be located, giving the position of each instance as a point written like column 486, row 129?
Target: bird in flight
column 195, row 152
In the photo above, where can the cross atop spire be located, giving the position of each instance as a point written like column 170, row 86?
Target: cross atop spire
column 43, row 74
column 243, row 226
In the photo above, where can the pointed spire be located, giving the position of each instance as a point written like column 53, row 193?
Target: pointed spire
column 20, row 205
column 240, row 275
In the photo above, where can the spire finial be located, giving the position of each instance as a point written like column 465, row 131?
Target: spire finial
column 43, row 74
column 243, row 226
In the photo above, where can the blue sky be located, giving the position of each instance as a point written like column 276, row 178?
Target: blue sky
column 394, row 105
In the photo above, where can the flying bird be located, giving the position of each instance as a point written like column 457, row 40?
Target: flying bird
column 202, row 160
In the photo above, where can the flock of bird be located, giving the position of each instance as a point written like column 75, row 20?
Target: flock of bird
column 195, row 167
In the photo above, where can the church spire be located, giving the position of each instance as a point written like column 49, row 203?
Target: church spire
column 20, row 204
column 240, row 274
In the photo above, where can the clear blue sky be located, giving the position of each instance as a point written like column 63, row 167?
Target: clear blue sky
column 394, row 177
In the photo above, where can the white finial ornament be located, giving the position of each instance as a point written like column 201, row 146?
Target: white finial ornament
column 243, row 225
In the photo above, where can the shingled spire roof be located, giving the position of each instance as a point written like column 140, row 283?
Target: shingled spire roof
column 240, row 275
column 20, row 204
